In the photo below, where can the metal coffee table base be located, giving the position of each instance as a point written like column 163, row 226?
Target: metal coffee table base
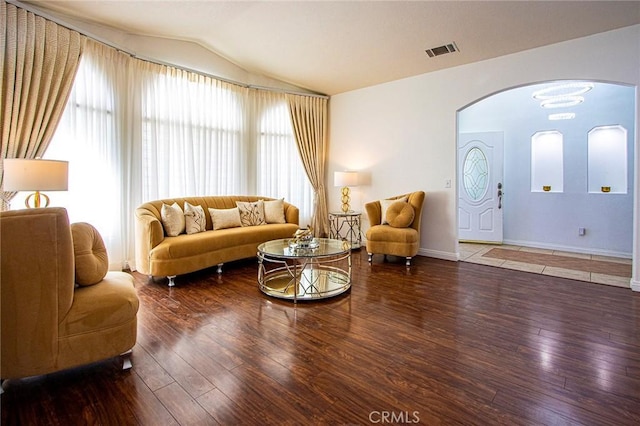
column 304, row 279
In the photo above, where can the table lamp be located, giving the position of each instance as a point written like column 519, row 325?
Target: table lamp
column 35, row 175
column 345, row 180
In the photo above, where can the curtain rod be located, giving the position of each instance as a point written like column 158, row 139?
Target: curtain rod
column 99, row 39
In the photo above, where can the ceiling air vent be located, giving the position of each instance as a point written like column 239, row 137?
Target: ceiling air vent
column 442, row 50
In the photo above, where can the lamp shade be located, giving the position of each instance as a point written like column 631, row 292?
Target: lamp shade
column 35, row 175
column 345, row 179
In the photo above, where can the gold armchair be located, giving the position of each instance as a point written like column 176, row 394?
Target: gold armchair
column 49, row 323
column 400, row 237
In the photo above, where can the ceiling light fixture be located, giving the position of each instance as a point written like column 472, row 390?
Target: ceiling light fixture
column 562, row 116
column 562, row 101
column 563, row 90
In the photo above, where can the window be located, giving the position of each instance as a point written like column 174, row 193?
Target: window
column 192, row 137
column 134, row 131
column 87, row 137
column 280, row 170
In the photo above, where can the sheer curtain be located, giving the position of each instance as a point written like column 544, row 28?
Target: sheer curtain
column 135, row 131
column 90, row 136
column 280, row 172
column 193, row 135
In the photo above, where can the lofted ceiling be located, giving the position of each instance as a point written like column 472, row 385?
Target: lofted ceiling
column 335, row 46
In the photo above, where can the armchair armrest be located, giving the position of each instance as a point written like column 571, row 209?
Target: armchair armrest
column 374, row 212
column 291, row 213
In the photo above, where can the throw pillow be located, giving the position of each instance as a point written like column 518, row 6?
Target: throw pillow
column 172, row 219
column 225, row 218
column 251, row 214
column 384, row 205
column 400, row 214
column 90, row 254
column 194, row 218
column 274, row 211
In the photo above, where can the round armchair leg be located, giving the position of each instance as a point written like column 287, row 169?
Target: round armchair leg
column 126, row 360
column 408, row 263
column 172, row 281
column 370, row 257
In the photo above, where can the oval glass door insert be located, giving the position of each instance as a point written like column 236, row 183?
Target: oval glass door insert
column 475, row 174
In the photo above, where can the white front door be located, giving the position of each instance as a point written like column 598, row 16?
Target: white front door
column 480, row 188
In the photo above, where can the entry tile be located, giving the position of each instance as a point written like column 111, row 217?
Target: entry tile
column 567, row 273
column 611, row 280
column 521, row 266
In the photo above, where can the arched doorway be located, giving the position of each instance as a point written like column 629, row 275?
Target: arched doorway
column 568, row 215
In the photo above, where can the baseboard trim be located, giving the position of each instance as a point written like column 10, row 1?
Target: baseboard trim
column 572, row 249
column 444, row 255
column 635, row 285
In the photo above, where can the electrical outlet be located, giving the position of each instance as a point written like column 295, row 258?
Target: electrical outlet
column 582, row 231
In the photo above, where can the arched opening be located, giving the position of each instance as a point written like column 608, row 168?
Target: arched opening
column 564, row 216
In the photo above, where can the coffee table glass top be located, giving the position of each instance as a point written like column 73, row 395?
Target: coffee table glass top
column 324, row 247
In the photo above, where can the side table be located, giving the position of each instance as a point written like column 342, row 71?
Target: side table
column 346, row 227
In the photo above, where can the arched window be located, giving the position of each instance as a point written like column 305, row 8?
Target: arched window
column 192, row 136
column 87, row 137
column 280, row 172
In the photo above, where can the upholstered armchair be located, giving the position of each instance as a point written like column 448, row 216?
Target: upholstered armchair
column 60, row 306
column 394, row 226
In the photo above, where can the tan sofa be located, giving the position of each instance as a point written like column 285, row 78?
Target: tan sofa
column 48, row 322
column 160, row 255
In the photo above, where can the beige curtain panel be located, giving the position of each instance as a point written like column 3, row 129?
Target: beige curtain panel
column 39, row 62
column 309, row 118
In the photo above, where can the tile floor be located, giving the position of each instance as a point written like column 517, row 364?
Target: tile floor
column 577, row 264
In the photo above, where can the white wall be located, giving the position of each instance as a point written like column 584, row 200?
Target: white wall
column 404, row 132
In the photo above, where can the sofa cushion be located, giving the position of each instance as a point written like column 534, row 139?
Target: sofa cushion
column 251, row 213
column 274, row 211
column 185, row 246
column 387, row 233
column 400, row 214
column 194, row 218
column 102, row 307
column 90, row 254
column 172, row 219
column 225, row 218
column 384, row 205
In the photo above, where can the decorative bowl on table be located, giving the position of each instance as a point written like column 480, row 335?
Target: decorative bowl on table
column 303, row 239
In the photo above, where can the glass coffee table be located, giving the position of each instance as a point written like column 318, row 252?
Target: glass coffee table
column 319, row 271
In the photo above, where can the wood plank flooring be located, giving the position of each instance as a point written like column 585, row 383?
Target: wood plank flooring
column 441, row 343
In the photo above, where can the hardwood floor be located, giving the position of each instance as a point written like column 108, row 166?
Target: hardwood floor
column 442, row 343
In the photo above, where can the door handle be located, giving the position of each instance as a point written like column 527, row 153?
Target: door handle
column 500, row 193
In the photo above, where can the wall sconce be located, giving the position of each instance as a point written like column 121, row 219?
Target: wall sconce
column 35, row 175
column 345, row 180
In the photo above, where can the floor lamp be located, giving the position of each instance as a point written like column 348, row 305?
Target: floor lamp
column 35, row 175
